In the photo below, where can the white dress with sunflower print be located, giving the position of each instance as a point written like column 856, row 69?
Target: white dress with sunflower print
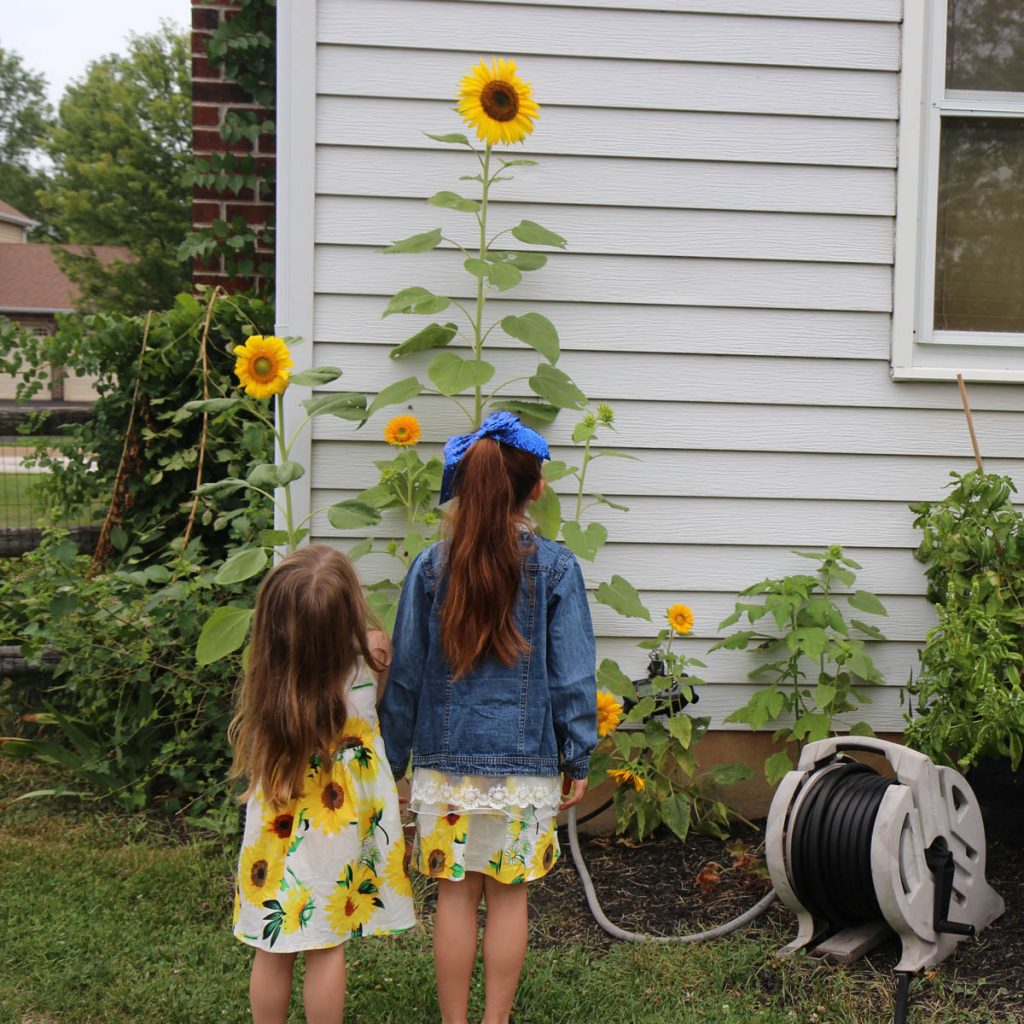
column 501, row 826
column 329, row 866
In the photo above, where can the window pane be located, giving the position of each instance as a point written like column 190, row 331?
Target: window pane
column 979, row 258
column 985, row 45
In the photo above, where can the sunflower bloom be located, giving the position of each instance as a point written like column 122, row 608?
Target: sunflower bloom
column 625, row 777
column 296, row 909
column 261, row 870
column 330, row 806
column 609, row 713
column 396, row 870
column 403, row 431
column 545, row 855
column 262, row 365
column 680, row 618
column 354, row 901
column 497, row 103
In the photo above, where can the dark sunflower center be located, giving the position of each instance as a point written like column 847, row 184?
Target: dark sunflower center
column 499, row 100
column 282, row 826
column 435, row 862
column 350, row 907
column 258, row 875
column 333, row 796
column 549, row 856
column 452, row 819
column 263, row 366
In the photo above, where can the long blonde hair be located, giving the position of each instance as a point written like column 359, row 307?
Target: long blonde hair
column 308, row 633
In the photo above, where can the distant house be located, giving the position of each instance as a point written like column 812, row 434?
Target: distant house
column 33, row 290
column 790, row 223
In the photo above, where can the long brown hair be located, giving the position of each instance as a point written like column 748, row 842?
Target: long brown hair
column 484, row 560
column 308, row 633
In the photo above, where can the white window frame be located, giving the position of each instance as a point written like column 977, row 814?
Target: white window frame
column 919, row 352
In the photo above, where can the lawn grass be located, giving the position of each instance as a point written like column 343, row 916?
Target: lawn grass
column 106, row 923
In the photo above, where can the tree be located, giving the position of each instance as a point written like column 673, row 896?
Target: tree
column 120, row 148
column 25, row 118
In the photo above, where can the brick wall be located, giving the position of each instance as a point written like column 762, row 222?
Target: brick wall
column 212, row 97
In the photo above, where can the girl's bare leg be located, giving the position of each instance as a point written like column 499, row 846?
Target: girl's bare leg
column 270, row 986
column 323, row 991
column 504, row 947
column 455, row 941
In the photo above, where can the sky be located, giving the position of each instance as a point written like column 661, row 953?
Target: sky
column 60, row 37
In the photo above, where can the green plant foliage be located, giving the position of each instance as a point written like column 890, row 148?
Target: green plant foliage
column 163, row 450
column 970, row 701
column 128, row 717
column 817, row 656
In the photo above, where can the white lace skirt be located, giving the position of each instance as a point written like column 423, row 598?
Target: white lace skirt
column 501, row 826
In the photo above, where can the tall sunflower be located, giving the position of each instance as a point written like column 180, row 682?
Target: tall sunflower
column 403, row 431
column 497, row 103
column 262, row 365
column 680, row 618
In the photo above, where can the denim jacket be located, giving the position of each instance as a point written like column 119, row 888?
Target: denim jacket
column 536, row 717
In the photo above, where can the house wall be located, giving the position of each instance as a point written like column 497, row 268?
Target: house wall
column 724, row 172
column 11, row 232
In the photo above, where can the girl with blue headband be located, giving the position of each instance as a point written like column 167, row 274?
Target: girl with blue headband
column 492, row 691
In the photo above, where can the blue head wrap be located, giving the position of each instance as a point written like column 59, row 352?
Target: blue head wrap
column 502, row 426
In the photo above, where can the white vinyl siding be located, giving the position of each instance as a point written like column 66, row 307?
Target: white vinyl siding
column 725, row 174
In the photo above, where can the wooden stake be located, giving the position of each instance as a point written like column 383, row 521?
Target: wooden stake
column 970, row 421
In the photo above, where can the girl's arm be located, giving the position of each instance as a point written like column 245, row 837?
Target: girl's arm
column 380, row 648
column 571, row 681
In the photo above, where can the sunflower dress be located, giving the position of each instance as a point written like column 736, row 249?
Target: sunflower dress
column 501, row 826
column 329, row 866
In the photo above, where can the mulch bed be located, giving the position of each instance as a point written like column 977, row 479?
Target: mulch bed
column 664, row 887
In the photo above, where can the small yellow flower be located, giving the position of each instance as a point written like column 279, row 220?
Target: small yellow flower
column 625, row 777
column 609, row 713
column 263, row 365
column 296, row 909
column 403, row 431
column 497, row 103
column 680, row 618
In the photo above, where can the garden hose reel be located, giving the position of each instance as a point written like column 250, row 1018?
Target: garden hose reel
column 855, row 854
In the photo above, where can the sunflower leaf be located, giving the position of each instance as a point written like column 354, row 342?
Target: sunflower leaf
column 546, row 513
column 453, row 138
column 416, row 300
column 316, row 376
column 536, row 331
column 223, row 633
column 352, row 515
column 532, row 412
column 611, row 504
column 527, row 260
column 451, row 374
column 504, row 276
column 400, row 391
column 556, row 387
column 453, row 201
column 347, row 405
column 533, row 234
column 477, row 267
column 423, row 242
column 621, row 596
column 212, row 404
column 518, row 163
column 242, row 565
column 584, row 543
column 432, row 336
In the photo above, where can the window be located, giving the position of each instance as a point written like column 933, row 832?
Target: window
column 958, row 300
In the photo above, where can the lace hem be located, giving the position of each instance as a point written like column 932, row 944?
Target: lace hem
column 467, row 793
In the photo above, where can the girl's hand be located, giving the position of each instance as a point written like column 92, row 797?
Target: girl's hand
column 574, row 790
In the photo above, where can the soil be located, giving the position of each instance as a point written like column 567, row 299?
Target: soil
column 663, row 887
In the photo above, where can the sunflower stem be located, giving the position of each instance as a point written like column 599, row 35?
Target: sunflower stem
column 283, row 447
column 481, row 297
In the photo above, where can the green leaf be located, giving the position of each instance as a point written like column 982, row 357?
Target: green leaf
column 611, row 678
column 556, row 470
column 364, row 547
column 824, row 694
column 681, row 727
column 611, row 504
column 729, row 774
column 584, row 431
column 872, row 631
column 504, row 276
column 270, row 475
column 212, row 404
column 810, row 640
column 348, row 405
column 532, row 233
column 223, row 633
column 621, row 596
column 452, row 375
column 316, row 376
column 242, row 565
column 812, row 726
column 861, row 729
column 584, row 543
column 432, row 336
column 477, row 267
column 423, row 242
column 675, row 812
column 763, row 706
column 400, row 391
column 452, row 138
column 518, row 163
column 555, row 387
column 453, row 201
column 546, row 513
column 416, row 300
column 536, row 331
column 273, row 538
column 776, row 767
column 352, row 515
column 865, row 602
column 527, row 260
column 538, row 413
